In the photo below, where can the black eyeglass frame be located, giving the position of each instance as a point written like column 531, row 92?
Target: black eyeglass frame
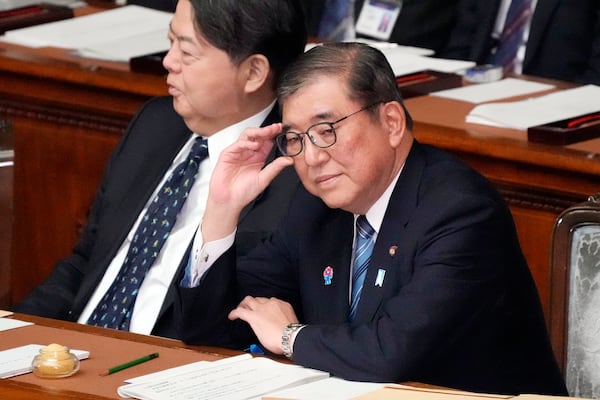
column 283, row 136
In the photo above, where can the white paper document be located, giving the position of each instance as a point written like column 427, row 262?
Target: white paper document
column 482, row 92
column 405, row 63
column 538, row 110
column 116, row 34
column 17, row 361
column 328, row 389
column 234, row 378
column 404, row 392
column 407, row 59
column 11, row 4
column 388, row 48
column 9, row 323
column 392, row 50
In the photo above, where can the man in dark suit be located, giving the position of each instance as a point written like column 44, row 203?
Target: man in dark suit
column 223, row 65
column 563, row 41
column 424, row 23
column 447, row 298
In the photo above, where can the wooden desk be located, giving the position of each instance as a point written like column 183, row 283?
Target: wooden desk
column 107, row 348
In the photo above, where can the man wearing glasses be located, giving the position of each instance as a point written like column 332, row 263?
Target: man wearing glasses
column 396, row 262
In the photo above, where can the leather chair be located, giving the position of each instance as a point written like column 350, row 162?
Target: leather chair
column 574, row 321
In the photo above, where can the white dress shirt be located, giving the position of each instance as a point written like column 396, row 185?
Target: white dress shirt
column 159, row 277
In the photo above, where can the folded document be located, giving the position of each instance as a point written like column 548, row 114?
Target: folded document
column 116, row 34
column 233, row 378
column 538, row 110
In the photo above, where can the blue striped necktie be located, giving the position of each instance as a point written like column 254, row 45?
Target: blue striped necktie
column 512, row 35
column 363, row 248
column 115, row 308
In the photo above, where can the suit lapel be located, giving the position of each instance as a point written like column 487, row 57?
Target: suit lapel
column 135, row 181
column 330, row 253
column 539, row 21
column 483, row 40
column 147, row 177
column 171, row 295
column 385, row 271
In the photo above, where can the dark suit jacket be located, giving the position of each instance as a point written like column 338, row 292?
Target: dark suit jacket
column 135, row 169
column 564, row 38
column 421, row 23
column 458, row 306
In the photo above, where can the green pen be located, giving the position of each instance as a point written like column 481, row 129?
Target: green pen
column 129, row 364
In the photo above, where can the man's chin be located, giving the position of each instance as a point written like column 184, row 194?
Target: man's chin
column 181, row 108
column 333, row 202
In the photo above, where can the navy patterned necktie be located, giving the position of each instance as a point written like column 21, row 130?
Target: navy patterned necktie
column 363, row 248
column 115, row 308
column 512, row 35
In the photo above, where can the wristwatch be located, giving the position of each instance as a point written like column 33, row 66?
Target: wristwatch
column 286, row 338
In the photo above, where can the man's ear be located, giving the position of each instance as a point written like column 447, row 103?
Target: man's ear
column 393, row 118
column 256, row 71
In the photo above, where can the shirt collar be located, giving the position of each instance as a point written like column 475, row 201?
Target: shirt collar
column 376, row 213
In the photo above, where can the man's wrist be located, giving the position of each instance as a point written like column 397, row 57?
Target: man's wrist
column 287, row 339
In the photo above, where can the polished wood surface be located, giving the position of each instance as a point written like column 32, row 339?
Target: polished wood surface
column 107, row 348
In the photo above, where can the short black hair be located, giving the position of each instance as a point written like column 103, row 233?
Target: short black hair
column 273, row 28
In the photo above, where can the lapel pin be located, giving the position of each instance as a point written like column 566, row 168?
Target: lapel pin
column 380, row 277
column 328, row 275
column 393, row 250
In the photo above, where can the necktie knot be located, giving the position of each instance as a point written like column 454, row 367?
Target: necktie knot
column 199, row 150
column 363, row 228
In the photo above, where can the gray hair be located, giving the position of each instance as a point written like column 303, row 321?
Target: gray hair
column 368, row 75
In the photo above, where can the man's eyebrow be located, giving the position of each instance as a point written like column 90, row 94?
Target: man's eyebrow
column 179, row 37
column 324, row 116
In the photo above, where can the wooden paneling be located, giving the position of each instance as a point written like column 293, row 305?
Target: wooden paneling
column 6, row 199
column 66, row 118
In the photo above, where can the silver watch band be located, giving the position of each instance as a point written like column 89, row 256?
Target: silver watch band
column 286, row 338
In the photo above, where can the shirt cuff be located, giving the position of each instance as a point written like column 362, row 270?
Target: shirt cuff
column 202, row 258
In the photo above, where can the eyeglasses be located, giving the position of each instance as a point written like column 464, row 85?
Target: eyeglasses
column 321, row 134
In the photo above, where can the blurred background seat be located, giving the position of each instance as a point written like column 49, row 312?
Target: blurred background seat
column 574, row 321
